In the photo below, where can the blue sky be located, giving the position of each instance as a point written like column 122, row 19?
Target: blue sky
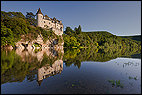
column 117, row 17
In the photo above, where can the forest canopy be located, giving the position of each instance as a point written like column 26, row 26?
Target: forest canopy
column 97, row 39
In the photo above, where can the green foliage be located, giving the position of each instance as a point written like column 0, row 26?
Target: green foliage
column 68, row 31
column 49, row 35
column 74, row 32
column 78, row 30
column 135, row 37
column 70, row 41
column 66, row 40
column 72, row 56
column 15, row 26
column 6, row 15
column 12, row 68
column 60, row 39
column 37, row 45
column 97, row 46
column 7, row 37
column 31, row 18
column 98, row 39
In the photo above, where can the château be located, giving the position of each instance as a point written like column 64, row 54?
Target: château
column 49, row 23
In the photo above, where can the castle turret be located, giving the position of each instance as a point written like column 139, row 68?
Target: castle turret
column 49, row 23
column 39, row 16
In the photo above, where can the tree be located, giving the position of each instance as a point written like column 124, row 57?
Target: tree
column 31, row 18
column 68, row 31
column 75, row 30
column 30, row 15
column 79, row 30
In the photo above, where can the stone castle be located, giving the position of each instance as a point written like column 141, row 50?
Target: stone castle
column 49, row 23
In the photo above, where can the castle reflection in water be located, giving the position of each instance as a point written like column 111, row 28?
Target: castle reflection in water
column 48, row 69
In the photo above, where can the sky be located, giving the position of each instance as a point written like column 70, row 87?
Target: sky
column 121, row 18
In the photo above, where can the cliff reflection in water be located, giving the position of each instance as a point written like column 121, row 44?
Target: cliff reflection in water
column 47, row 71
column 20, row 64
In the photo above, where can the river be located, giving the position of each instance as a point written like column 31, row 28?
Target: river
column 69, row 72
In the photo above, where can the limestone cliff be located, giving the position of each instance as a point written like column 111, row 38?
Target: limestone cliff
column 39, row 43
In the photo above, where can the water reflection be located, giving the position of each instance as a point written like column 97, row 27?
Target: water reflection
column 76, row 56
column 130, row 64
column 38, row 66
column 47, row 70
column 20, row 64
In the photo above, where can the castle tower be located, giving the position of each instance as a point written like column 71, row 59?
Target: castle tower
column 49, row 23
column 39, row 17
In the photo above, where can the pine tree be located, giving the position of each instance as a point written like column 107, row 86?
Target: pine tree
column 79, row 29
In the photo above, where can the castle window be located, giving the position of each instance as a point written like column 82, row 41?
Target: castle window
column 45, row 26
column 44, row 21
column 49, row 22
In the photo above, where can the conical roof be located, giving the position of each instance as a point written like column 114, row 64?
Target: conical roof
column 39, row 11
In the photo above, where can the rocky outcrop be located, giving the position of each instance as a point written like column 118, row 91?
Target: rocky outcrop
column 22, row 44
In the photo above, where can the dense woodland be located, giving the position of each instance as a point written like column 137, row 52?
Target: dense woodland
column 97, row 39
column 135, row 37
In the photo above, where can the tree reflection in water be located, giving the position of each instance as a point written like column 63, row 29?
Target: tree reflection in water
column 76, row 56
column 16, row 65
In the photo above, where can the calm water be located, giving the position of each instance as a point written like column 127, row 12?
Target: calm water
column 69, row 72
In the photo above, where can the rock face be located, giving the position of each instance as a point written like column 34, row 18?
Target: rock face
column 39, row 40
